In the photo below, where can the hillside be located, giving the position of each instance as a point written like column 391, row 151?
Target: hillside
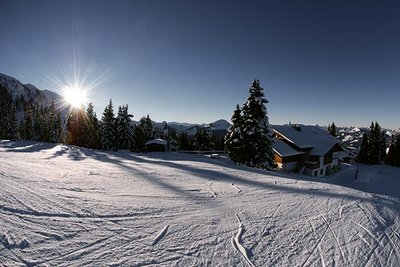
column 67, row 206
column 30, row 93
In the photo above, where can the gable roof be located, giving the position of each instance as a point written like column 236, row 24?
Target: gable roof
column 283, row 149
column 307, row 137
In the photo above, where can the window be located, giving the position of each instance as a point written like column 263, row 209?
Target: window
column 322, row 172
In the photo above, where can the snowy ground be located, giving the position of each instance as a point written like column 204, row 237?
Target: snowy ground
column 64, row 206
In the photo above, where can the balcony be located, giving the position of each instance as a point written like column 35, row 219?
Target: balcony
column 311, row 164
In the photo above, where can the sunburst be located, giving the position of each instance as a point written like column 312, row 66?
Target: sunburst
column 75, row 96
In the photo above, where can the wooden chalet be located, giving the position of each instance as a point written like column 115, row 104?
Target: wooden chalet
column 307, row 149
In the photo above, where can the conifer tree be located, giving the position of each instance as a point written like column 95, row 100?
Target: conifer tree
column 202, row 140
column 12, row 124
column 332, row 129
column 76, row 126
column 6, row 102
column 92, row 128
column 108, row 128
column 390, row 157
column 396, row 161
column 234, row 143
column 28, row 125
column 38, row 125
column 143, row 132
column 373, row 146
column 183, row 141
column 257, row 134
column 124, row 128
column 363, row 155
column 54, row 122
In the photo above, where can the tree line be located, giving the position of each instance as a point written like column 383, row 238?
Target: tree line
column 82, row 127
column 374, row 147
column 39, row 123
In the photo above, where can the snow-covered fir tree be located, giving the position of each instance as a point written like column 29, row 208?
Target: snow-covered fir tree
column 8, row 120
column 124, row 128
column 234, row 143
column 108, row 131
column 55, row 127
column 393, row 155
column 38, row 125
column 143, row 132
column 203, row 140
column 257, row 134
column 28, row 125
column 92, row 129
column 12, row 124
column 373, row 146
column 332, row 129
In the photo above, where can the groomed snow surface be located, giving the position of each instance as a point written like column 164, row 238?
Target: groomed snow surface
column 68, row 206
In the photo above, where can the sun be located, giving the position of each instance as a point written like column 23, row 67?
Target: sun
column 75, row 96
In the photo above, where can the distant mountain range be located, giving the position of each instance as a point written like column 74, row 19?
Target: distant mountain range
column 351, row 137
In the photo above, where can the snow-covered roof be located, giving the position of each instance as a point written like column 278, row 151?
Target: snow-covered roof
column 283, row 149
column 307, row 136
column 157, row 141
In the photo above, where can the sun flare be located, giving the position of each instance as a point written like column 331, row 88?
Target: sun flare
column 75, row 96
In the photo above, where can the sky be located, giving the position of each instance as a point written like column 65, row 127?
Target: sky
column 192, row 61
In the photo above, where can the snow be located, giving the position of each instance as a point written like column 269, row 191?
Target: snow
column 307, row 136
column 222, row 125
column 68, row 206
column 157, row 141
column 283, row 149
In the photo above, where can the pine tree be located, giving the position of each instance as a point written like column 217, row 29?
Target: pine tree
column 396, row 160
column 6, row 113
column 373, row 146
column 54, row 122
column 12, row 125
column 234, row 143
column 256, row 130
column 37, row 134
column 363, row 155
column 92, row 128
column 202, row 140
column 76, row 126
column 28, row 125
column 124, row 128
column 108, row 131
column 183, row 141
column 391, row 155
column 332, row 129
column 143, row 132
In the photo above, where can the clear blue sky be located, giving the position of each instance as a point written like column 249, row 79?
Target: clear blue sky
column 193, row 61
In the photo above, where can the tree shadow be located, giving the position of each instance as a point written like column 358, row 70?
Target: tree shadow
column 26, row 146
column 179, row 161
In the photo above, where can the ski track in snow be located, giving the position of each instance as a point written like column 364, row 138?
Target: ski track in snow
column 213, row 193
column 70, row 207
column 236, row 188
column 160, row 235
column 236, row 242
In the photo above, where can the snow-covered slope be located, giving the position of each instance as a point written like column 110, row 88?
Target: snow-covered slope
column 30, row 93
column 66, row 206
